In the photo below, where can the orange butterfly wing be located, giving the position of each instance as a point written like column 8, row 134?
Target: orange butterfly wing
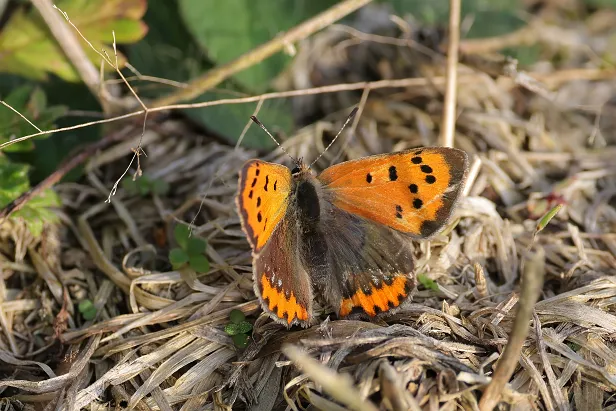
column 262, row 200
column 412, row 191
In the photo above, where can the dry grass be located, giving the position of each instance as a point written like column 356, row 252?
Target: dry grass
column 158, row 341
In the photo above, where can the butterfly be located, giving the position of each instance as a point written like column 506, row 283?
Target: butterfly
column 343, row 235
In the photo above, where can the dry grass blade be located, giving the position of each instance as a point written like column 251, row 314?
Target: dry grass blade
column 338, row 386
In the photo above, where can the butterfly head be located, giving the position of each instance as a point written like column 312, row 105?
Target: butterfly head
column 300, row 170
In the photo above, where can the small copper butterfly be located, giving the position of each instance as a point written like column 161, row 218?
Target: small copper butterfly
column 343, row 235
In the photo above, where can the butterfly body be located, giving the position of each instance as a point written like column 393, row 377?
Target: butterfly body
column 344, row 235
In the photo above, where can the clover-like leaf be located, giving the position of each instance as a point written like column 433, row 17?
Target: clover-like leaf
column 240, row 340
column 181, row 232
column 244, row 327
column 177, row 258
column 87, row 309
column 29, row 49
column 236, row 316
column 232, row 329
column 199, row 263
column 195, row 246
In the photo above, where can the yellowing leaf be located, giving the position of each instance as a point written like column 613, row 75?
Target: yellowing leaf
column 28, row 48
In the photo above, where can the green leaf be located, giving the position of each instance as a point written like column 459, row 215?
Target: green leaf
column 228, row 29
column 236, row 316
column 240, row 340
column 244, row 327
column 168, row 51
column 229, row 120
column 199, row 263
column 181, row 232
column 428, row 283
column 31, row 102
column 87, row 309
column 195, row 246
column 232, row 329
column 29, row 49
column 177, row 258
column 159, row 187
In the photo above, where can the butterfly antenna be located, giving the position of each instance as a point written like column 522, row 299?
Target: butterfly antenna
column 257, row 122
column 349, row 118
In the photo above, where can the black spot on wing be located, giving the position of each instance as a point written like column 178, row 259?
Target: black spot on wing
column 258, row 201
column 398, row 211
column 393, row 173
column 259, row 217
column 369, row 178
column 275, row 183
column 250, row 194
column 430, row 179
column 426, row 169
column 413, row 188
column 254, row 182
column 416, row 160
column 417, row 203
column 266, row 183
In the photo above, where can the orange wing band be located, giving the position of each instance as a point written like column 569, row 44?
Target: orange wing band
column 378, row 300
column 279, row 304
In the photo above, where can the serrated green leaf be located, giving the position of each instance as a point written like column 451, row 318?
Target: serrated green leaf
column 236, row 316
column 428, row 283
column 231, row 329
column 181, row 232
column 28, row 48
column 195, row 246
column 244, row 327
column 240, row 340
column 177, row 257
column 199, row 263
column 87, row 309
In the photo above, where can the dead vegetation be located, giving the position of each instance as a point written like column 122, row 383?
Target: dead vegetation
column 537, row 138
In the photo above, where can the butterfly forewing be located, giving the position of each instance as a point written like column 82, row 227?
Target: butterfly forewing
column 262, row 200
column 413, row 191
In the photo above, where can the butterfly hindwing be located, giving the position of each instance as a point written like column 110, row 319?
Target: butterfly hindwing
column 262, row 199
column 360, row 267
column 413, row 191
column 282, row 284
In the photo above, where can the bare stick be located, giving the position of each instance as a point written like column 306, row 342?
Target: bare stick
column 532, row 282
column 69, row 44
column 217, row 75
column 448, row 127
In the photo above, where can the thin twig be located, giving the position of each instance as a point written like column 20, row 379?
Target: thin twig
column 408, row 82
column 448, row 128
column 217, row 75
